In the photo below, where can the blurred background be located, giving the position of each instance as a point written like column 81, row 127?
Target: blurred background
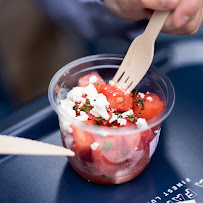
column 32, row 49
column 33, row 46
column 39, row 37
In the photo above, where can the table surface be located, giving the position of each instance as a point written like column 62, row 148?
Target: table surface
column 174, row 173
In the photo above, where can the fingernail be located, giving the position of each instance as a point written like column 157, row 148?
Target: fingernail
column 169, row 3
column 182, row 21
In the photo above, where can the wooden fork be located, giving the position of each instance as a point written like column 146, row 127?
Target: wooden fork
column 23, row 146
column 140, row 54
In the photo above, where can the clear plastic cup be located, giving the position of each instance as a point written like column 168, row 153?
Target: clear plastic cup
column 125, row 151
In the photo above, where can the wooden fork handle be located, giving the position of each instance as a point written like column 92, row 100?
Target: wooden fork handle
column 22, row 146
column 156, row 23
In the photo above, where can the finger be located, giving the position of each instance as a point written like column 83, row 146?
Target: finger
column 169, row 25
column 159, row 4
column 186, row 11
column 148, row 13
column 189, row 28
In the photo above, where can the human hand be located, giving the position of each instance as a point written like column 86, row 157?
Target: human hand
column 185, row 18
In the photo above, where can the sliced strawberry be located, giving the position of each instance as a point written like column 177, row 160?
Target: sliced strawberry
column 84, row 81
column 149, row 106
column 119, row 100
column 82, row 142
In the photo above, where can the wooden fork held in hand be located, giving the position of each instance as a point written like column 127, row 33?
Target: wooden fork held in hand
column 140, row 54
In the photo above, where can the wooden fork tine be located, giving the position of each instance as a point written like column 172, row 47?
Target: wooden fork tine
column 120, row 71
column 131, row 87
column 128, row 82
column 117, row 76
column 123, row 80
column 132, row 82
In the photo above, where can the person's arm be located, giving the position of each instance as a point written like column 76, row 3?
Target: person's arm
column 186, row 15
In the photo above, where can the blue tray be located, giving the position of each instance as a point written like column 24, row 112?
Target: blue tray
column 174, row 173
